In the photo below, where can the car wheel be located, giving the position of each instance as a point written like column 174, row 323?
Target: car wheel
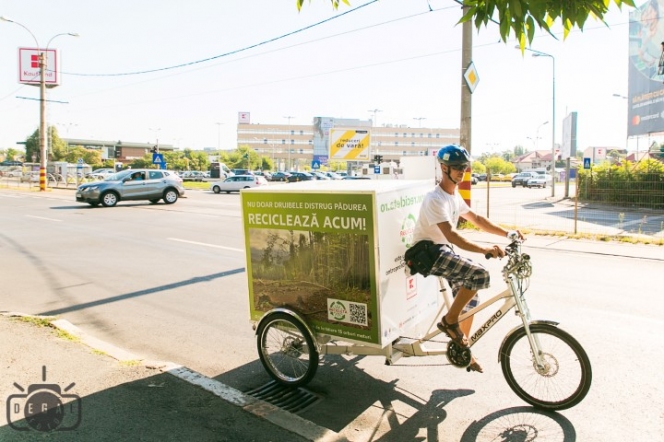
column 513, row 184
column 109, row 199
column 170, row 196
column 154, row 201
column 216, row 189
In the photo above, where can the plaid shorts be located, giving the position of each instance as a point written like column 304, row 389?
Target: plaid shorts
column 460, row 271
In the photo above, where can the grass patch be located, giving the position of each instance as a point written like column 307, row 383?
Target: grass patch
column 46, row 322
column 99, row 352
column 586, row 236
column 196, row 185
column 131, row 363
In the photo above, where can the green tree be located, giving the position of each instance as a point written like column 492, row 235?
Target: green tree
column 478, row 167
column 520, row 17
column 498, row 165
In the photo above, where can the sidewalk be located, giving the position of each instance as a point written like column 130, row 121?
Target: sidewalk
column 121, row 397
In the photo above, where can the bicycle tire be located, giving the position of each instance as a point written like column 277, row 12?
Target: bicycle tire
column 287, row 350
column 567, row 385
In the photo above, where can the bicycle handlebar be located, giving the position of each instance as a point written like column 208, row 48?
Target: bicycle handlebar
column 512, row 236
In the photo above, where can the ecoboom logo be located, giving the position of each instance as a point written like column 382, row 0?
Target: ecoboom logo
column 337, row 311
column 407, row 229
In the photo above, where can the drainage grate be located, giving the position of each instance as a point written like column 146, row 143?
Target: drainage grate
column 293, row 400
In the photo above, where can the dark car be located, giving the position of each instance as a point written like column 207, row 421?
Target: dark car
column 521, row 179
column 280, row 176
column 300, row 176
column 132, row 184
column 481, row 177
column 360, row 177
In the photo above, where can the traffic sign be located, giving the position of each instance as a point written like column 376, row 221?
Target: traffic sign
column 376, row 169
column 586, row 163
column 80, row 161
column 315, row 164
column 157, row 158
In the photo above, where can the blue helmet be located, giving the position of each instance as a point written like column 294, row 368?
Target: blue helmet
column 451, row 155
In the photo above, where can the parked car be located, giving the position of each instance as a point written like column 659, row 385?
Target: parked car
column 359, row 177
column 319, row 175
column 334, row 175
column 341, row 173
column 521, row 179
column 242, row 172
column 236, row 183
column 264, row 173
column 300, row 176
column 100, row 174
column 280, row 176
column 31, row 176
column 11, row 163
column 481, row 177
column 132, row 184
column 13, row 173
column 541, row 180
column 473, row 178
column 192, row 175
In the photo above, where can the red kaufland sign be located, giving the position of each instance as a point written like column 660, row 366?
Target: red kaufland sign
column 28, row 66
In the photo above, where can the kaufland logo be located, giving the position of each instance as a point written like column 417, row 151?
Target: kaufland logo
column 407, row 230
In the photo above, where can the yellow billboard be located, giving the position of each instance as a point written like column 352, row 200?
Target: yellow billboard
column 350, row 144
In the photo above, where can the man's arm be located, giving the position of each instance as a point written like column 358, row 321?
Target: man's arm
column 485, row 224
column 454, row 237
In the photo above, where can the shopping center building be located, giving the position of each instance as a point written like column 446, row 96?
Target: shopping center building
column 293, row 146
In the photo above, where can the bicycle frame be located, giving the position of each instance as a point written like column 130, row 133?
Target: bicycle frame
column 513, row 296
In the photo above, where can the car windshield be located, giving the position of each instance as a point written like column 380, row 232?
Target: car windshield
column 118, row 176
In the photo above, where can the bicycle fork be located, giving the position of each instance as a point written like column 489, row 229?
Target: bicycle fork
column 524, row 312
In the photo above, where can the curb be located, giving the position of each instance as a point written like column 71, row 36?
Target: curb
column 264, row 410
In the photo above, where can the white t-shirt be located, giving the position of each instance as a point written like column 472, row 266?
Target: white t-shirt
column 438, row 206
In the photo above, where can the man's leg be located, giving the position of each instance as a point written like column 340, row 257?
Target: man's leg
column 462, row 298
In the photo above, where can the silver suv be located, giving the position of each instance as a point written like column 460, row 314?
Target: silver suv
column 132, row 184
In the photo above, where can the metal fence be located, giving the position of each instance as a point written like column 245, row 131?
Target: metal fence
column 604, row 211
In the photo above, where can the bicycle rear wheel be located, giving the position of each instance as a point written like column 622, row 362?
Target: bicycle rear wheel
column 287, row 350
column 565, row 378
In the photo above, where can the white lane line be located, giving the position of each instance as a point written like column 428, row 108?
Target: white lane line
column 206, row 244
column 41, row 217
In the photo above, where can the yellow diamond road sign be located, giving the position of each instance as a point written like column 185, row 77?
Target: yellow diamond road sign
column 472, row 77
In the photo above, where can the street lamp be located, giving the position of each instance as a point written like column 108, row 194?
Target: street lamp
column 156, row 130
column 553, row 117
column 537, row 137
column 419, row 121
column 42, row 100
column 288, row 166
column 219, row 135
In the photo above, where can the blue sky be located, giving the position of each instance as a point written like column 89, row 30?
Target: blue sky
column 392, row 55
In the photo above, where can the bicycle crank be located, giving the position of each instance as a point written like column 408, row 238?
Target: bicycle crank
column 457, row 355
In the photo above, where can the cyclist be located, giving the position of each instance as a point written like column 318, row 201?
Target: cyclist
column 437, row 222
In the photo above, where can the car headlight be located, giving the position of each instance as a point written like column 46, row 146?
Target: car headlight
column 87, row 189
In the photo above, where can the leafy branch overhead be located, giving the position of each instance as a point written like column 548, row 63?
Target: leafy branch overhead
column 522, row 17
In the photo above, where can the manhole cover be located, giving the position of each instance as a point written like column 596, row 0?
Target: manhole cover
column 293, row 400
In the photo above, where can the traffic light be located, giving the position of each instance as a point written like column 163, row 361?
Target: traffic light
column 117, row 152
column 154, row 149
column 378, row 158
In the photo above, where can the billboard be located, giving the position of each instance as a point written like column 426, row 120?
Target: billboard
column 569, row 137
column 350, row 144
column 29, row 70
column 646, row 70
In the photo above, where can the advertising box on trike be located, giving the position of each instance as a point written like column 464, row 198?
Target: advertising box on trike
column 333, row 251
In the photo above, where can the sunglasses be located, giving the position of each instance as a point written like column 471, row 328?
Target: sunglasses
column 459, row 167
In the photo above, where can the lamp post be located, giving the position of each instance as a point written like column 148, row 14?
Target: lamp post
column 156, row 130
column 537, row 137
column 627, row 138
column 219, row 135
column 43, row 160
column 288, row 166
column 419, row 121
column 553, row 116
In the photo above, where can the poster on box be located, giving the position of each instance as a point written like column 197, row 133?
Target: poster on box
column 408, row 303
column 313, row 253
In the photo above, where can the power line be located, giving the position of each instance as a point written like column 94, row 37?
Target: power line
column 204, row 60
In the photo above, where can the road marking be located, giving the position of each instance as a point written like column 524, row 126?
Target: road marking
column 41, row 217
column 206, row 244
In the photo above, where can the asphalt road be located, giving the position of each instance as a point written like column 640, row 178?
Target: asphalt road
column 168, row 282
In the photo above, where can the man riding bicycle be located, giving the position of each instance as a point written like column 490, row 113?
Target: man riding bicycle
column 437, row 222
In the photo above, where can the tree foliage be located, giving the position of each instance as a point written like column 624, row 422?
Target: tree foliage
column 522, row 17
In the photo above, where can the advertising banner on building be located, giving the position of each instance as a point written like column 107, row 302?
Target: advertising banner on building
column 646, row 70
column 350, row 144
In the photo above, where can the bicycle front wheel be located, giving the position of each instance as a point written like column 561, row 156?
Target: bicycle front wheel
column 287, row 350
column 563, row 380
